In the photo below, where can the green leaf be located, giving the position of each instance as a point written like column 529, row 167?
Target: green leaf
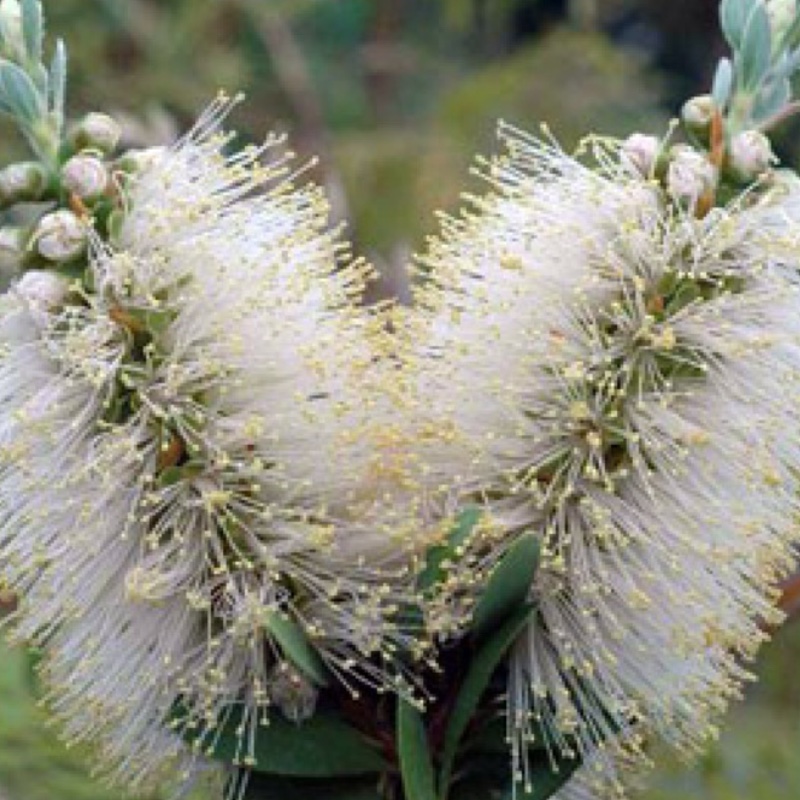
column 772, row 100
column 546, row 778
column 508, row 586
column 437, row 556
column 33, row 29
column 279, row 787
column 723, row 83
column 321, row 747
column 733, row 15
column 488, row 777
column 491, row 737
column 756, row 52
column 481, row 668
column 419, row 782
column 58, row 79
column 18, row 95
column 296, row 647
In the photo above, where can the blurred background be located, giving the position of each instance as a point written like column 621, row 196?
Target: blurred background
column 396, row 97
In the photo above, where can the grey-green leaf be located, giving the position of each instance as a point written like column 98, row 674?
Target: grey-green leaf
column 296, row 647
column 756, row 51
column 419, row 782
column 723, row 83
column 58, row 79
column 33, row 29
column 481, row 668
column 733, row 16
column 772, row 100
column 508, row 586
column 18, row 95
column 323, row 746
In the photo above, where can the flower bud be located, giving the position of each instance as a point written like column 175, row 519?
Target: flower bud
column 138, row 160
column 690, row 175
column 782, row 14
column 749, row 156
column 697, row 114
column 23, row 182
column 292, row 692
column 60, row 236
column 640, row 152
column 43, row 289
column 96, row 132
column 85, row 176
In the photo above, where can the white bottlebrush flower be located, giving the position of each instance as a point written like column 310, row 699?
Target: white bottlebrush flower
column 188, row 453
column 622, row 379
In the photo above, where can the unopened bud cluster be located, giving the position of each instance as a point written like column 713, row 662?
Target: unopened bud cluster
column 692, row 174
column 80, row 185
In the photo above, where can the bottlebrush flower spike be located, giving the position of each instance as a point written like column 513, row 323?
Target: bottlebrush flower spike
column 620, row 378
column 189, row 461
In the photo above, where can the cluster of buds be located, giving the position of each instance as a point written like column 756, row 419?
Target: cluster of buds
column 691, row 174
column 76, row 189
column 748, row 154
column 688, row 175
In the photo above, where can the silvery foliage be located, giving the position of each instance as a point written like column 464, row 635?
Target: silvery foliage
column 755, row 83
column 31, row 93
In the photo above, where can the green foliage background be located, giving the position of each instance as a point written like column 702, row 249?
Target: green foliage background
column 396, row 96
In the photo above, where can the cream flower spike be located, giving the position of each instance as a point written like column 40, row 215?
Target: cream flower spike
column 620, row 378
column 190, row 455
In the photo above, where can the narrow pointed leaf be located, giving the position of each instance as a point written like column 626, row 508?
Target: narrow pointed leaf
column 321, row 747
column 723, row 83
column 33, row 29
column 437, row 556
column 508, row 586
column 733, row 15
column 419, row 782
column 18, row 95
column 481, row 669
column 756, row 51
column 58, row 79
column 296, row 647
